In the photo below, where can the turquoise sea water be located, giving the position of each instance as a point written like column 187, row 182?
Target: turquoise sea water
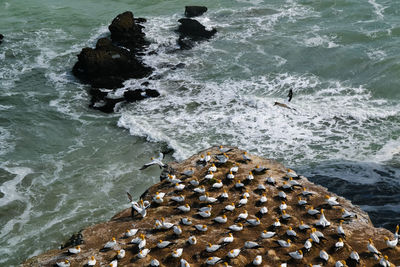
column 64, row 166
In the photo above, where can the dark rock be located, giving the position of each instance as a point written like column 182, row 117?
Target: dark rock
column 191, row 31
column 194, row 11
column 1, row 38
column 139, row 94
column 152, row 93
column 108, row 66
column 145, row 84
column 125, row 31
column 74, row 240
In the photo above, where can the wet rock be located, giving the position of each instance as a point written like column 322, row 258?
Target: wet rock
column 194, row 11
column 74, row 240
column 138, row 94
column 108, row 66
column 127, row 32
column 1, row 38
column 191, row 31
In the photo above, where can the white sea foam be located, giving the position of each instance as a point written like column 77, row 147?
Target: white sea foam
column 378, row 9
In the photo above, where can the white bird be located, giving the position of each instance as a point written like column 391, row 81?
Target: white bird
column 177, row 230
column 224, row 195
column 159, row 197
column 230, row 176
column 246, row 194
column 282, row 195
column 308, row 244
column 233, row 253
column 177, row 253
column 188, row 172
column 186, row 221
column 282, row 206
column 294, row 182
column 257, row 260
column 200, row 190
column 228, row 239
column 263, row 210
column 354, row 256
column 243, row 215
column 276, row 223
column 291, row 173
column 131, row 232
column 217, row 184
column 235, row 168
column 371, row 247
column 221, row 219
column 222, row 158
column 212, row 260
column 173, row 180
column 154, row 263
column 114, row 263
column 254, row 222
column 332, row 201
column 230, row 207
column 208, row 157
column 384, row 261
column 285, row 216
column 341, row 263
column 179, row 187
column 192, row 240
column 286, row 186
column 142, row 243
column 391, row 243
column 163, row 244
column 178, row 199
column 246, row 157
column 184, row 263
column 250, row 177
column 239, row 184
column 184, row 208
column 209, row 175
column 322, row 220
column 212, row 248
column 314, row 236
column 263, row 198
column 271, row 180
column 236, row 227
column 339, row 244
column 143, row 253
column 340, row 230
column 261, row 187
column 303, row 226
column 205, row 208
column 396, row 233
column 64, row 263
column 323, row 255
column 242, row 201
column 306, row 193
column 283, row 243
column 166, row 225
column 155, row 161
column 224, row 149
column 194, row 182
column 204, row 214
column 266, row 234
column 297, row 255
column 138, row 239
column 348, row 215
column 201, row 227
column 110, row 244
column 291, row 232
column 251, row 244
column 312, row 211
column 92, row 261
column 260, row 169
column 301, row 202
column 121, row 253
column 74, row 250
column 213, row 168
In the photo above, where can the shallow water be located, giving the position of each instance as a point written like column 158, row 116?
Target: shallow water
column 65, row 166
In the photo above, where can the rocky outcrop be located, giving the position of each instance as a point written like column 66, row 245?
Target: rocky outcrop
column 1, row 38
column 191, row 31
column 114, row 61
column 358, row 228
column 194, row 11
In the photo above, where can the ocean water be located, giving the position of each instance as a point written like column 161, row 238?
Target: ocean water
column 64, row 166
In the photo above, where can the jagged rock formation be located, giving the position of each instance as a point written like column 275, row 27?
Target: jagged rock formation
column 114, row 61
column 191, row 31
column 194, row 11
column 358, row 228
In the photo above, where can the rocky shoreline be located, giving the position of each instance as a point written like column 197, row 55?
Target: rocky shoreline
column 118, row 58
column 261, row 215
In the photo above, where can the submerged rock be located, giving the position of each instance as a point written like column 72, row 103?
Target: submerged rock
column 194, row 11
column 191, row 31
column 163, row 220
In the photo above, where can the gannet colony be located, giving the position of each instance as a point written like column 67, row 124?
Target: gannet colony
column 225, row 207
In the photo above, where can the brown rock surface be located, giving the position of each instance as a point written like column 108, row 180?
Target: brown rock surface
column 358, row 230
